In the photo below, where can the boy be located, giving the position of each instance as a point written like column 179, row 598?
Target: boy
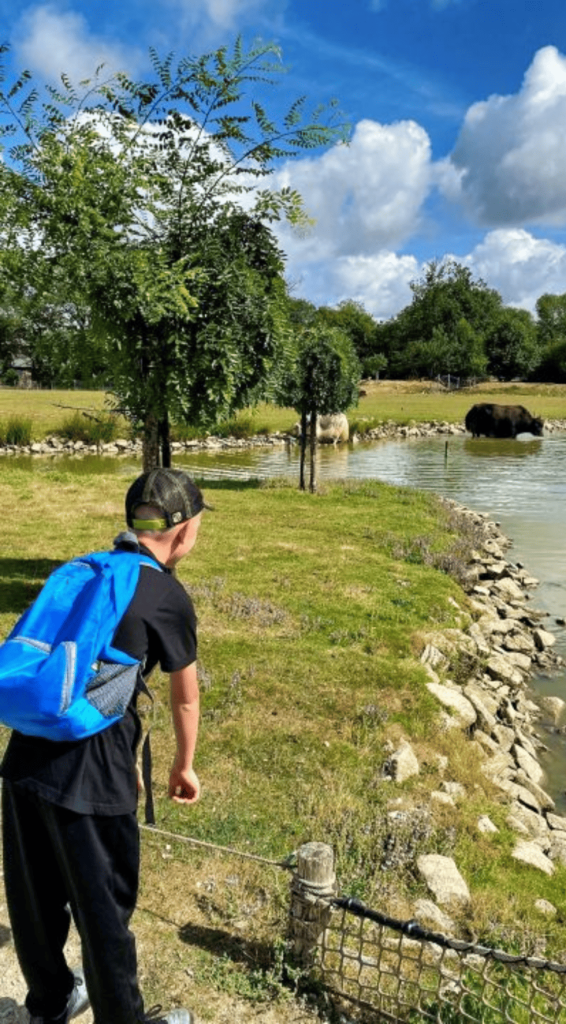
column 70, row 833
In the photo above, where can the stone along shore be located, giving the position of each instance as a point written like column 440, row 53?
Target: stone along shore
column 54, row 445
column 500, row 645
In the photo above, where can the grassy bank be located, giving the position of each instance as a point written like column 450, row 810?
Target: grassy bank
column 399, row 401
column 312, row 612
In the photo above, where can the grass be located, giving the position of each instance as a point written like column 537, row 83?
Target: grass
column 312, row 611
column 17, row 430
column 401, row 402
column 92, row 428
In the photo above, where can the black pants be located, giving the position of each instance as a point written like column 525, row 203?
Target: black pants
column 55, row 859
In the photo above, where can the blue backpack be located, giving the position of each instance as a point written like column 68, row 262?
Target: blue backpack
column 60, row 676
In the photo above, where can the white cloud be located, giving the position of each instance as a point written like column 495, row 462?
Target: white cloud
column 510, row 153
column 51, row 42
column 227, row 15
column 363, row 197
column 379, row 282
column 520, row 266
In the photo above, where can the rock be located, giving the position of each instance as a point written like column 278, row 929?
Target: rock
column 504, row 736
column 554, row 706
column 402, row 764
column 517, row 825
column 556, row 822
column 486, row 742
column 485, row 824
column 495, row 570
column 530, row 853
column 444, row 880
column 508, row 590
column 534, row 824
column 484, row 704
column 493, row 549
column 544, row 801
column 500, row 766
column 478, row 637
column 558, row 847
column 529, row 764
column 454, row 789
column 442, row 798
column 543, row 639
column 464, row 712
column 545, row 907
column 521, row 642
column 121, row 444
column 428, row 914
column 433, row 657
column 500, row 668
column 520, row 661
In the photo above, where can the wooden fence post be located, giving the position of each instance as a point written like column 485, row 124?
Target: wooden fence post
column 307, row 919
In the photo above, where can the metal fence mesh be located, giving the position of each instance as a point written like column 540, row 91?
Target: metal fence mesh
column 365, row 959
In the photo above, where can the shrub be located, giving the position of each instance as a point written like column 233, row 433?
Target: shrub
column 242, row 425
column 185, row 432
column 89, row 429
column 17, row 430
column 10, row 377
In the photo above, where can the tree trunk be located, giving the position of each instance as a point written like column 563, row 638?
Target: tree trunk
column 165, row 440
column 303, row 451
column 150, row 443
column 312, row 486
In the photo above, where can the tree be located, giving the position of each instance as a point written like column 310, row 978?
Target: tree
column 512, row 345
column 362, row 329
column 551, row 314
column 322, row 378
column 448, row 319
column 551, row 330
column 135, row 192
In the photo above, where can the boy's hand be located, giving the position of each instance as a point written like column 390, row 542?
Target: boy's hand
column 184, row 786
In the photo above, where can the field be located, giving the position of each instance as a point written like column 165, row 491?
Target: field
column 399, row 401
column 312, row 612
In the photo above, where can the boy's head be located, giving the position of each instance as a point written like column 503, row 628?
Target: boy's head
column 171, row 492
column 164, row 507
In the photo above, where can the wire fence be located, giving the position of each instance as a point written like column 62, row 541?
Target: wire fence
column 404, row 973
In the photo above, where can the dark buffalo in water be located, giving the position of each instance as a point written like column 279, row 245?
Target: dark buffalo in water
column 501, row 421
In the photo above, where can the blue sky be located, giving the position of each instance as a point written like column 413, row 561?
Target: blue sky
column 458, row 115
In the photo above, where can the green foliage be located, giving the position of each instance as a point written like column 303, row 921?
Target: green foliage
column 323, row 375
column 321, row 378
column 552, row 366
column 89, row 429
column 551, row 315
column 245, row 424
column 513, row 345
column 352, row 319
column 18, row 430
column 145, row 197
column 10, row 377
column 443, row 330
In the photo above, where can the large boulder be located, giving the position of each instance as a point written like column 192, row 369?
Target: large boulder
column 444, row 880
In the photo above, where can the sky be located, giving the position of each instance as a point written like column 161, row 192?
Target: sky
column 457, row 114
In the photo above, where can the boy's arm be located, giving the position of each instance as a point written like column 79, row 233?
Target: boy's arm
column 184, row 786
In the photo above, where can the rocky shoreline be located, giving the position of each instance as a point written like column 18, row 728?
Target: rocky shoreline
column 54, row 445
column 500, row 645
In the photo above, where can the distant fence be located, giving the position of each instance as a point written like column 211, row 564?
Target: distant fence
column 454, row 383
column 398, row 971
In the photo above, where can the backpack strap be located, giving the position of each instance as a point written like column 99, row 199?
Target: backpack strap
column 128, row 541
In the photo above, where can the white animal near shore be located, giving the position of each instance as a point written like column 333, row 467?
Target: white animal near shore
column 330, row 429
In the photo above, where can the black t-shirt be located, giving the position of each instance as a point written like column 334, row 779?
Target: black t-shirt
column 98, row 775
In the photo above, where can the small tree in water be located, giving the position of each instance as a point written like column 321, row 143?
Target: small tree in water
column 323, row 379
